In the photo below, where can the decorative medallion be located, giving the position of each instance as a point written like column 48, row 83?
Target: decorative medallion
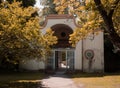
column 89, row 54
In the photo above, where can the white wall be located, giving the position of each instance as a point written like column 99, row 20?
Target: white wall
column 32, row 64
column 78, row 56
column 97, row 45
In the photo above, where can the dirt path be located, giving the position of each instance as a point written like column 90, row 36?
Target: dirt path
column 59, row 80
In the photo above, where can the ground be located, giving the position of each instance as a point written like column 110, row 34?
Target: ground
column 106, row 80
column 59, row 80
column 21, row 79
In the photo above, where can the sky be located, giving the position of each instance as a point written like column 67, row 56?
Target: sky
column 38, row 4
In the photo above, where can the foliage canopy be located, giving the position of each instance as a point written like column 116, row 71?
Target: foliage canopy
column 20, row 34
column 25, row 3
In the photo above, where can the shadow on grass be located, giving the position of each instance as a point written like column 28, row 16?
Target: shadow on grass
column 88, row 75
column 22, row 79
column 22, row 85
column 15, row 76
column 111, row 73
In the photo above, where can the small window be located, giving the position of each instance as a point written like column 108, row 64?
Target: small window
column 63, row 34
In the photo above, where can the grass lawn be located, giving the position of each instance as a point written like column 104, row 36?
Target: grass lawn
column 85, row 80
column 17, row 76
column 21, row 79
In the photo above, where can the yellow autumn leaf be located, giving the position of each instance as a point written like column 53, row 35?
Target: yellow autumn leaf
column 81, row 8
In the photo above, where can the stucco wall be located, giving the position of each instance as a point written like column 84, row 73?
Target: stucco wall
column 97, row 45
column 78, row 56
column 32, row 64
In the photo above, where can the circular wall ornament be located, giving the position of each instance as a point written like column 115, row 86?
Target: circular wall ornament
column 89, row 54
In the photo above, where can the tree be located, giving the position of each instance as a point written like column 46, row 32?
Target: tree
column 93, row 15
column 48, row 8
column 20, row 34
column 25, row 3
column 111, row 18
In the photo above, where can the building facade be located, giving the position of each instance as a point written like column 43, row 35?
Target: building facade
column 87, row 56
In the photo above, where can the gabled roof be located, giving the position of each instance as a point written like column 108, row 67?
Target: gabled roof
column 60, row 16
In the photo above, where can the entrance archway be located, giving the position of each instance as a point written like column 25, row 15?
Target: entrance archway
column 63, row 58
column 62, row 53
column 62, row 32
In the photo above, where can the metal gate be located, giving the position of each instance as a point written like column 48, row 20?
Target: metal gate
column 52, row 60
column 70, row 59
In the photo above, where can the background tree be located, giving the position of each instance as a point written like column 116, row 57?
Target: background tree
column 20, row 35
column 48, row 8
column 93, row 15
column 25, row 3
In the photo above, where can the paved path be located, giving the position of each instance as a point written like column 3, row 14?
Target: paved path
column 59, row 80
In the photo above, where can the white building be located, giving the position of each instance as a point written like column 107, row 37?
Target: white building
column 87, row 56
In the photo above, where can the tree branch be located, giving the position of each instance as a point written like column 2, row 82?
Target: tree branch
column 102, row 11
column 100, row 7
column 113, row 8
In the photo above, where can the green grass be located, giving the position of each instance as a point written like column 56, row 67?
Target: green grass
column 107, row 80
column 17, row 76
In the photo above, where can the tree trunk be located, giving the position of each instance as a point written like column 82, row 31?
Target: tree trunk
column 113, row 36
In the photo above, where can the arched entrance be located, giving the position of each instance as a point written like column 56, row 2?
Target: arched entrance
column 62, row 32
column 62, row 52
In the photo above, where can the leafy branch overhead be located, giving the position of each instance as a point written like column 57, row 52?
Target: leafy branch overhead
column 93, row 15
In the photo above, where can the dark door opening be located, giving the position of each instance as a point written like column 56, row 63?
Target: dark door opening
column 64, row 60
column 60, row 60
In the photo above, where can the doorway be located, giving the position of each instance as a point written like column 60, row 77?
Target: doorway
column 64, row 60
column 60, row 60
